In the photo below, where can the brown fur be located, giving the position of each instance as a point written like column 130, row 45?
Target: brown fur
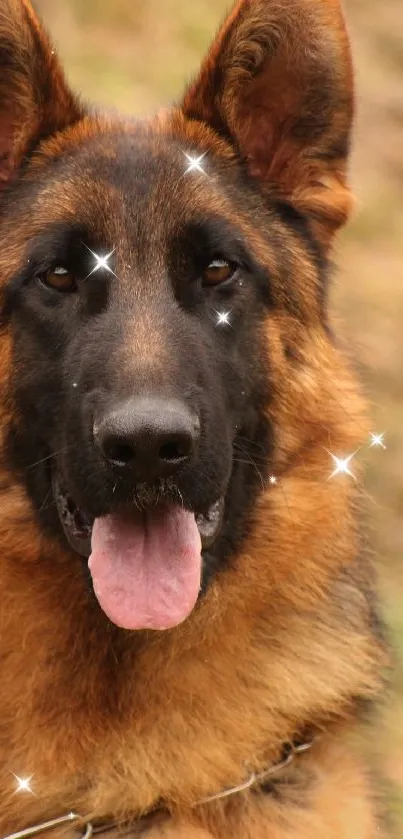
column 285, row 638
column 310, row 104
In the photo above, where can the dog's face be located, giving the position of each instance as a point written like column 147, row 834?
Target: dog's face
column 163, row 288
column 144, row 376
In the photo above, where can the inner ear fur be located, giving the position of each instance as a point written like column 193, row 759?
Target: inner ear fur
column 35, row 100
column 278, row 83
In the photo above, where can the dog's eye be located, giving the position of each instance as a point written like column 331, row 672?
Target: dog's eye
column 59, row 279
column 218, row 271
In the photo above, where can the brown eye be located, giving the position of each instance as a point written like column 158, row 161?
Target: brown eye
column 218, row 271
column 59, row 279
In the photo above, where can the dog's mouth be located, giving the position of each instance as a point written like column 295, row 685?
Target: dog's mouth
column 146, row 565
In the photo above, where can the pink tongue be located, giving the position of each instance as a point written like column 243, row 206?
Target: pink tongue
column 146, row 568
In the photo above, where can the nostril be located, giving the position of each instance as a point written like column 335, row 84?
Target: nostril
column 175, row 450
column 118, row 452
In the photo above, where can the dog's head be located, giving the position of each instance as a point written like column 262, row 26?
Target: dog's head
column 164, row 295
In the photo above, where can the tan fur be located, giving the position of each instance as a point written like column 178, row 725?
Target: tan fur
column 113, row 724
column 308, row 87
column 26, row 107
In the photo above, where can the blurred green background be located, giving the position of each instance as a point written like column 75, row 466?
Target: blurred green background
column 135, row 55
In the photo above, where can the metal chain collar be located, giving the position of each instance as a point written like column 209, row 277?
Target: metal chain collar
column 291, row 751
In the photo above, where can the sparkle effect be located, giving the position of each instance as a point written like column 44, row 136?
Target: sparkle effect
column 101, row 262
column 223, row 318
column 24, row 784
column 342, row 465
column 378, row 440
column 195, row 163
column 272, row 480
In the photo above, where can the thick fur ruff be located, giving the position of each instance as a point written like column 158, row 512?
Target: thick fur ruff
column 285, row 634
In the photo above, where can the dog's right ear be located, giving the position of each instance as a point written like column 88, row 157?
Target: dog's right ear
column 35, row 100
column 278, row 84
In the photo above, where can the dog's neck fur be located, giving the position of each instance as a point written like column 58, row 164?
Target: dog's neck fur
column 110, row 723
column 253, row 665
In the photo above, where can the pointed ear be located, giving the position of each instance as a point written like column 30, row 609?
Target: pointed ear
column 278, row 83
column 35, row 100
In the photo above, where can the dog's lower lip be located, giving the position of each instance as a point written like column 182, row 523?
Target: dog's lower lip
column 78, row 527
column 209, row 524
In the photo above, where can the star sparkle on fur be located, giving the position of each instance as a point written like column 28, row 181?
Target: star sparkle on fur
column 24, row 784
column 223, row 318
column 195, row 163
column 378, row 440
column 272, row 480
column 101, row 262
column 342, row 465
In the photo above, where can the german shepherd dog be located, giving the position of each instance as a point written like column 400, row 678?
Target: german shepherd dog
column 189, row 637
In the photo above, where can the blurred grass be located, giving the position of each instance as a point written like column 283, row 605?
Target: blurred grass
column 134, row 56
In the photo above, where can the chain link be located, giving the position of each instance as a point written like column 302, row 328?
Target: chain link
column 255, row 779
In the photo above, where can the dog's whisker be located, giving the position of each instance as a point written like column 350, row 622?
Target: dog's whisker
column 53, row 454
column 45, row 505
column 251, row 462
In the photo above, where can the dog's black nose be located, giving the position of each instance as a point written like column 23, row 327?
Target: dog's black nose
column 150, row 437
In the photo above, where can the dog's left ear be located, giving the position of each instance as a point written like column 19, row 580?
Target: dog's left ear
column 278, row 84
column 35, row 101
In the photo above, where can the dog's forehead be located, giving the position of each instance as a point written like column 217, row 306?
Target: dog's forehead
column 132, row 161
column 137, row 179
